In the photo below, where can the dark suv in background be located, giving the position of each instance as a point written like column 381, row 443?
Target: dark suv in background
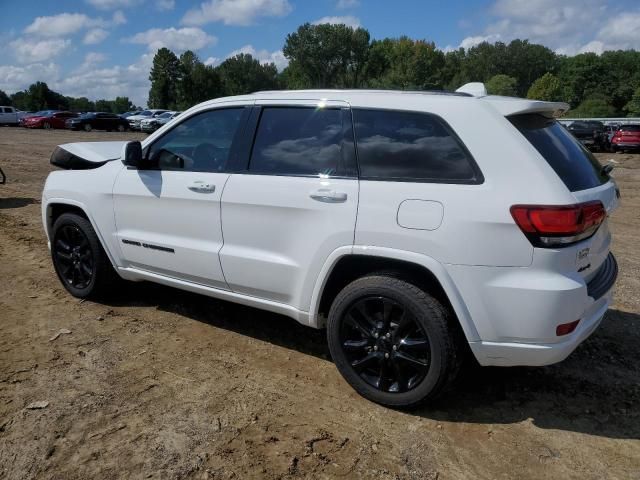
column 591, row 134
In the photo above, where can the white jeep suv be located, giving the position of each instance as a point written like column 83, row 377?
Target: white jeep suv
column 413, row 226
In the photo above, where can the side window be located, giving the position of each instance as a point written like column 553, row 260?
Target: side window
column 298, row 141
column 199, row 144
column 410, row 146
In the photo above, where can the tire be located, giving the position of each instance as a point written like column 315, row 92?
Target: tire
column 121, row 128
column 439, row 358
column 46, row 125
column 73, row 239
column 87, row 127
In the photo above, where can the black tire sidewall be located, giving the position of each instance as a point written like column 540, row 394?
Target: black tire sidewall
column 428, row 312
column 70, row 219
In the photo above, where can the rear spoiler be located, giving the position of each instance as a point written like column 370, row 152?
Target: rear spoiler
column 508, row 106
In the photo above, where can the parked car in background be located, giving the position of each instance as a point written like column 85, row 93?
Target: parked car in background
column 10, row 116
column 48, row 119
column 590, row 133
column 98, row 121
column 130, row 114
column 152, row 124
column 610, row 130
column 24, row 117
column 627, row 137
column 134, row 120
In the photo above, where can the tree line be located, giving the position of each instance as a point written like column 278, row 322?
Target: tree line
column 338, row 56
column 40, row 97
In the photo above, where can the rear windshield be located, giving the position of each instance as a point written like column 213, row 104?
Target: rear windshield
column 575, row 165
column 630, row 128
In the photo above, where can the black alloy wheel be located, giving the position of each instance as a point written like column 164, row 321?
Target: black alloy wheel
column 393, row 342
column 385, row 344
column 73, row 257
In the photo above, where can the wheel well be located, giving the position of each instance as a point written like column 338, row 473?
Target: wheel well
column 57, row 209
column 352, row 267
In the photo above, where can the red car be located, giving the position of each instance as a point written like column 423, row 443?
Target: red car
column 626, row 138
column 48, row 119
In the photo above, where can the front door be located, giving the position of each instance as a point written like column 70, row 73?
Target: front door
column 293, row 204
column 168, row 215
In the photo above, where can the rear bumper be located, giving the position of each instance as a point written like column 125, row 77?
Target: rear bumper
column 516, row 311
column 626, row 145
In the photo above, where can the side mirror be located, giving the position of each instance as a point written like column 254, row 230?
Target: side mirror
column 132, row 155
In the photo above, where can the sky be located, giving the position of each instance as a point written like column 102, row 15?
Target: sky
column 104, row 48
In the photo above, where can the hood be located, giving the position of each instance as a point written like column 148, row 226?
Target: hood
column 86, row 155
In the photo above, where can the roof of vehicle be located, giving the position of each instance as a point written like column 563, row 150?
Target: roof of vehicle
column 406, row 99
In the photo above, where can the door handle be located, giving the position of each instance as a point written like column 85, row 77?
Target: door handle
column 202, row 187
column 328, row 196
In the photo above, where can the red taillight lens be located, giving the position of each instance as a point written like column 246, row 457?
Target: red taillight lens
column 555, row 226
column 566, row 328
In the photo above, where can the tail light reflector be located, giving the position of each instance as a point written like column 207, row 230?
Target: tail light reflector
column 557, row 226
column 566, row 328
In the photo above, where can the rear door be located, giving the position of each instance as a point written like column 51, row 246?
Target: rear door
column 293, row 204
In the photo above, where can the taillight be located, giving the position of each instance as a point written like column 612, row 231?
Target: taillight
column 566, row 328
column 558, row 226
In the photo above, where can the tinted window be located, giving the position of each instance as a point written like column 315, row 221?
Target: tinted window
column 575, row 165
column 298, row 141
column 199, row 144
column 410, row 146
column 630, row 128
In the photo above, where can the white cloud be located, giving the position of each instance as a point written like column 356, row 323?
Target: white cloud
column 95, row 36
column 188, row 38
column 348, row 20
column 69, row 23
column 14, row 78
column 235, row 12
column 263, row 56
column 212, row 61
column 32, row 51
column 112, row 4
column 59, row 25
column 568, row 27
column 344, row 4
column 164, row 5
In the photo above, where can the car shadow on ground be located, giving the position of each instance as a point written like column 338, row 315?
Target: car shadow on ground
column 16, row 202
column 595, row 391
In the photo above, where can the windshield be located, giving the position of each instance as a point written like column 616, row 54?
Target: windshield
column 165, row 115
column 88, row 115
column 575, row 165
column 43, row 113
column 145, row 113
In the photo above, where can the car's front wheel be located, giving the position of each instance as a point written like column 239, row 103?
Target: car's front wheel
column 78, row 258
column 87, row 127
column 394, row 343
column 121, row 128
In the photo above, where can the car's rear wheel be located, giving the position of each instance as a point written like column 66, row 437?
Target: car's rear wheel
column 87, row 127
column 121, row 128
column 78, row 258
column 46, row 125
column 394, row 343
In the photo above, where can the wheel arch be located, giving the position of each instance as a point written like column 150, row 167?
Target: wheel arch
column 56, row 207
column 425, row 272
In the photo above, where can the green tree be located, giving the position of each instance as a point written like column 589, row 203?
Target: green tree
column 547, row 87
column 82, row 104
column 164, row 77
column 4, row 99
column 502, row 85
column 326, row 56
column 121, row 105
column 593, row 106
column 103, row 106
column 187, row 91
column 206, row 84
column 244, row 74
column 633, row 107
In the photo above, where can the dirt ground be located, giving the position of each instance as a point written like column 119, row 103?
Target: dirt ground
column 165, row 384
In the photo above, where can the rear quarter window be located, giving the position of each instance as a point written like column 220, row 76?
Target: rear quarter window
column 411, row 146
column 573, row 163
